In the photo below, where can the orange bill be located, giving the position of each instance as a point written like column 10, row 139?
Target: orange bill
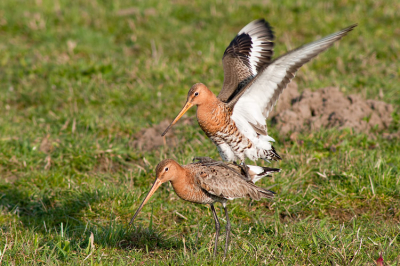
column 153, row 189
column 181, row 113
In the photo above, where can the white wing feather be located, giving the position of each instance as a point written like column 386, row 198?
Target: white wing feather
column 261, row 95
column 258, row 41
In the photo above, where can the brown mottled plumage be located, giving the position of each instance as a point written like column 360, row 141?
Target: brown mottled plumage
column 206, row 182
column 255, row 172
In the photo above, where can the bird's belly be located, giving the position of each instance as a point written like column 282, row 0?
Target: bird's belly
column 231, row 143
column 238, row 143
column 194, row 194
column 226, row 152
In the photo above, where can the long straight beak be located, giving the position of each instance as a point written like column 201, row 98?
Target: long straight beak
column 153, row 189
column 181, row 113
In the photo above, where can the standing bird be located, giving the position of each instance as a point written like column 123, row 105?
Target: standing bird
column 235, row 120
column 207, row 182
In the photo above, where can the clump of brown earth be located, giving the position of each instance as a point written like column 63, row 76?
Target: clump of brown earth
column 150, row 138
column 327, row 108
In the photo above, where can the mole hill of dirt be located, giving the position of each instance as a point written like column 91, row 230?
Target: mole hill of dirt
column 327, row 108
column 295, row 112
column 150, row 138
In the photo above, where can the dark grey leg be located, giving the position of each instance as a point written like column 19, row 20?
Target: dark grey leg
column 217, row 228
column 228, row 230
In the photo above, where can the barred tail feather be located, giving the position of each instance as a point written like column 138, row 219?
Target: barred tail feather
column 270, row 154
column 266, row 193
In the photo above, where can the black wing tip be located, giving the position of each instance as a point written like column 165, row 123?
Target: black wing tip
column 273, row 170
column 352, row 26
column 261, row 20
column 268, row 193
column 349, row 28
column 266, row 26
column 338, row 35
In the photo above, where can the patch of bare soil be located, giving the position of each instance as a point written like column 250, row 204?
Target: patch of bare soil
column 328, row 107
column 46, row 145
column 106, row 164
column 150, row 138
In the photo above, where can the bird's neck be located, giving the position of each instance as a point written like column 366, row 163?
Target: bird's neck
column 212, row 115
column 180, row 176
column 183, row 183
column 209, row 106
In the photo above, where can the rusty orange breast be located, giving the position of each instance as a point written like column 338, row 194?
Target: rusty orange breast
column 212, row 117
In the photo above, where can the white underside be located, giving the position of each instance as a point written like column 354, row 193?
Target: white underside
column 253, row 153
column 226, row 153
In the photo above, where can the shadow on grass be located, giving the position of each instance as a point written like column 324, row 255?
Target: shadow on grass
column 69, row 214
column 46, row 210
column 148, row 239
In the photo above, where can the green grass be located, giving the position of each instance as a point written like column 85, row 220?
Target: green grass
column 78, row 80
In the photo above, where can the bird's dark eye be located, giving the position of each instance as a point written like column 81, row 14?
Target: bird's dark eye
column 166, row 169
column 196, row 93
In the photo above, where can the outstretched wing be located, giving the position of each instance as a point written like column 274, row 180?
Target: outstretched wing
column 248, row 52
column 252, row 105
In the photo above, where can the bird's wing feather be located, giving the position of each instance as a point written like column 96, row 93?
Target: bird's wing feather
column 248, row 52
column 224, row 183
column 252, row 105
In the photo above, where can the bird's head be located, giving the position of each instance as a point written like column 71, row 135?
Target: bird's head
column 165, row 171
column 197, row 95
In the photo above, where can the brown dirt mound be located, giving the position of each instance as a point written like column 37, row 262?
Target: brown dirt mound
column 328, row 107
column 150, row 138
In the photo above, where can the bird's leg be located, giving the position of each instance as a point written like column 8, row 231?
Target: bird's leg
column 228, row 230
column 245, row 168
column 250, row 202
column 217, row 228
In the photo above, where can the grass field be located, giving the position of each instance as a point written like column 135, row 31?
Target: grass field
column 78, row 79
